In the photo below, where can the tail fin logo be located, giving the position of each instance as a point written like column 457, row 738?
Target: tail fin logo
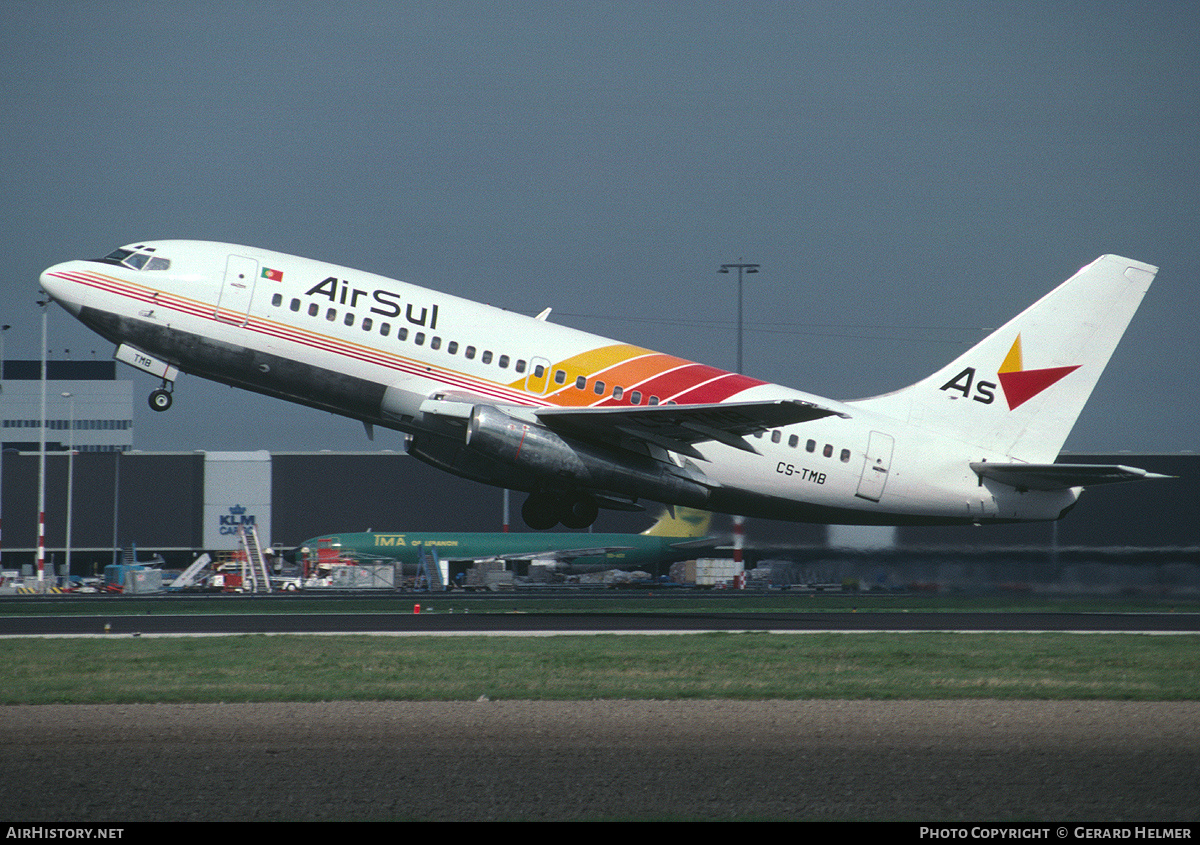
column 1019, row 384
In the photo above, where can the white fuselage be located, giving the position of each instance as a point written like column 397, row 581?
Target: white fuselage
column 374, row 349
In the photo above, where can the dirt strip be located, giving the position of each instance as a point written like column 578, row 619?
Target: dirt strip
column 974, row 760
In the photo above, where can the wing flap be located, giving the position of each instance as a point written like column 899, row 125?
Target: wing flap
column 678, row 427
column 1059, row 476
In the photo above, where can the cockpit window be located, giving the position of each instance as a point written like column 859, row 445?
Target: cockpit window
column 117, row 255
column 136, row 260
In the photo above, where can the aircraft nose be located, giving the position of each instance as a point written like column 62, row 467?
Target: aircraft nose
column 56, row 281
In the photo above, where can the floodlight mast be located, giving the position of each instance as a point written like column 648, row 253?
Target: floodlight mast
column 739, row 522
column 741, row 269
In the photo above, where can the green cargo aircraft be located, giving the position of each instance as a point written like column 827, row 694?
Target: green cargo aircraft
column 672, row 538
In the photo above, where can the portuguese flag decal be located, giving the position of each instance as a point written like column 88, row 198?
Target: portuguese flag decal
column 273, row 275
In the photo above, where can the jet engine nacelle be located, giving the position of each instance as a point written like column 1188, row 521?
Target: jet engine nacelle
column 561, row 463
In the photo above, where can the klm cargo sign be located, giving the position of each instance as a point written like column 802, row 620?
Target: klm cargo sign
column 237, row 492
column 237, row 516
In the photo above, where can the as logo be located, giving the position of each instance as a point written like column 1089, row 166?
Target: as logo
column 1019, row 384
column 964, row 381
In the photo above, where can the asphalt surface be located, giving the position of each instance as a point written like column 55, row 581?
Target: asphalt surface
column 533, row 623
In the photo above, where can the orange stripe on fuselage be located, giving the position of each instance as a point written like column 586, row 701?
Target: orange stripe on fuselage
column 633, row 368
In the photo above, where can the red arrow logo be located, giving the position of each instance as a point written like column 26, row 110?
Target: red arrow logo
column 1021, row 385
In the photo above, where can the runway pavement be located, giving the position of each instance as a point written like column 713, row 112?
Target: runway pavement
column 445, row 621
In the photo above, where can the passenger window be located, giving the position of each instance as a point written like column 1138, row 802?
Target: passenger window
column 402, row 333
column 313, row 309
column 349, row 321
column 385, row 329
column 538, row 370
column 419, row 338
column 828, row 450
column 635, row 397
column 520, row 367
column 366, row 324
column 452, row 347
column 277, row 300
column 331, row 314
column 653, row 400
column 776, row 436
column 435, row 342
column 810, row 446
column 580, row 383
column 295, row 305
column 599, row 388
column 560, row 377
column 470, row 353
column 617, row 393
column 503, row 362
column 793, row 440
column 486, row 357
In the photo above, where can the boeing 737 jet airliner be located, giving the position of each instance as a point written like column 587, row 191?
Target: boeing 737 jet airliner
column 582, row 422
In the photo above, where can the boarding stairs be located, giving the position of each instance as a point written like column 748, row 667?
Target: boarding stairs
column 255, row 576
column 188, row 577
column 429, row 567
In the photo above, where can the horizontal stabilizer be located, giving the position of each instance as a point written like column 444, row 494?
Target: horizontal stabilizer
column 1059, row 476
column 677, row 427
column 699, row 543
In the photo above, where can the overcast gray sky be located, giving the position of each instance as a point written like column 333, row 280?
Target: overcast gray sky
column 907, row 177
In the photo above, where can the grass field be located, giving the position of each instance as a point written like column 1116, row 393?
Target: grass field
column 703, row 666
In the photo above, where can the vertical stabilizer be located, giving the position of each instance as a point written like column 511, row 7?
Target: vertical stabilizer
column 1019, row 391
column 687, row 522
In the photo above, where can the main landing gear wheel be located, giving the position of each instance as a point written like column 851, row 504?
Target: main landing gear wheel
column 160, row 399
column 540, row 511
column 545, row 510
column 581, row 512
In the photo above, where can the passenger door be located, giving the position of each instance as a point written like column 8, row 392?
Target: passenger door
column 237, row 289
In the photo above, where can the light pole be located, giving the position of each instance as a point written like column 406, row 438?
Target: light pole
column 41, row 546
column 739, row 522
column 741, row 269
column 70, row 478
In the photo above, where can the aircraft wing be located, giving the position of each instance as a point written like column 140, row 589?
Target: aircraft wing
column 677, row 427
column 1059, row 476
column 555, row 554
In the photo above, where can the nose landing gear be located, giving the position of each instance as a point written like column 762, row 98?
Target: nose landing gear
column 160, row 399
